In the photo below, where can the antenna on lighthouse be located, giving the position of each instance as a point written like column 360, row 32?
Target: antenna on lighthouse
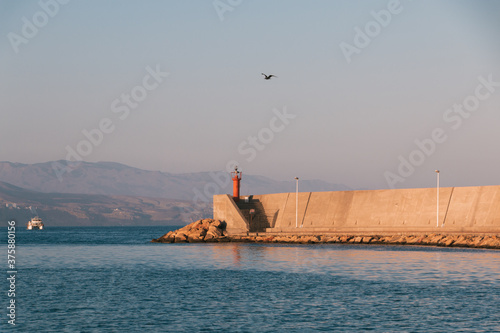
column 236, row 177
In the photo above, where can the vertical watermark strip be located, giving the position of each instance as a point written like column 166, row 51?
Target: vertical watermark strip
column 11, row 272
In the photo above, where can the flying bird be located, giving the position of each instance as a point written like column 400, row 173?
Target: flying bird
column 267, row 77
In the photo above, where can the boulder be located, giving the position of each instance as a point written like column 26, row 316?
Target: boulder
column 461, row 241
column 180, row 238
column 397, row 239
column 215, row 231
column 167, row 238
column 447, row 241
column 332, row 239
column 344, row 239
column 197, row 234
column 435, row 240
column 488, row 242
column 476, row 241
column 309, row 240
column 367, row 239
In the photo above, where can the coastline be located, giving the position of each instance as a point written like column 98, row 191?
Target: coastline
column 214, row 231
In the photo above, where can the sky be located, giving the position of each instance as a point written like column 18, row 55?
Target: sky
column 370, row 94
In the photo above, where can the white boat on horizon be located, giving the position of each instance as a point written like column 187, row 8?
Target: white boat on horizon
column 35, row 223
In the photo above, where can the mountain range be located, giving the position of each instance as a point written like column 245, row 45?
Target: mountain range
column 109, row 178
column 66, row 209
column 108, row 193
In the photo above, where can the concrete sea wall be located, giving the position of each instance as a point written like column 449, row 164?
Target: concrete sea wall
column 464, row 210
column 214, row 231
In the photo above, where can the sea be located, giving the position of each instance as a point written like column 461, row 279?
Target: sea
column 113, row 279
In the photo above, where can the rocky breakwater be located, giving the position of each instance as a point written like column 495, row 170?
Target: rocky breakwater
column 206, row 230
column 209, row 231
column 472, row 241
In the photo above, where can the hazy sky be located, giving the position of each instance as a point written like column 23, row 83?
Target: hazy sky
column 371, row 94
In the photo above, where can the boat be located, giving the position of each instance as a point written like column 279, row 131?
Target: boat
column 35, row 223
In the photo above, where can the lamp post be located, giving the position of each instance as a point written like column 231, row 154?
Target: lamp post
column 296, row 202
column 437, row 202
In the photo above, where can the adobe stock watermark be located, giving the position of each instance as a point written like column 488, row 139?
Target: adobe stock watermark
column 31, row 27
column 122, row 107
column 364, row 36
column 223, row 6
column 249, row 149
column 454, row 117
column 11, row 272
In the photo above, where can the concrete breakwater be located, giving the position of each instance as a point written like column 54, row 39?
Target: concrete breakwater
column 211, row 231
column 464, row 210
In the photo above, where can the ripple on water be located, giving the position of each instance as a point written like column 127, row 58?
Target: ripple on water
column 256, row 287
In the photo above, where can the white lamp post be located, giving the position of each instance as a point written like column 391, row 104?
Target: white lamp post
column 297, row 202
column 437, row 203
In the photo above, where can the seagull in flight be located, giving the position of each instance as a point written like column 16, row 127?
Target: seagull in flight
column 267, row 77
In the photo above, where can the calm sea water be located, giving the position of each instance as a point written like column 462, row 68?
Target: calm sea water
column 111, row 279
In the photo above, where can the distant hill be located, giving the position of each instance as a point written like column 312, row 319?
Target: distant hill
column 63, row 209
column 108, row 178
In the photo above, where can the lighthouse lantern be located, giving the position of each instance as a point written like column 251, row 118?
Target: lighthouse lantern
column 236, row 176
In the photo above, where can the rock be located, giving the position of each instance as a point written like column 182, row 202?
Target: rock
column 447, row 241
column 214, row 230
column 210, row 230
column 216, row 224
column 460, row 241
column 205, row 224
column 435, row 240
column 367, row 239
column 332, row 239
column 411, row 240
column 214, row 233
column 167, row 238
column 476, row 240
column 344, row 239
column 496, row 243
column 309, row 240
column 384, row 240
column 196, row 225
column 488, row 243
column 397, row 239
column 209, row 236
column 358, row 239
column 247, row 239
column 197, row 233
column 180, row 238
column 281, row 239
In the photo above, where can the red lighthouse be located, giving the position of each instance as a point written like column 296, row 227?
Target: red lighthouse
column 236, row 177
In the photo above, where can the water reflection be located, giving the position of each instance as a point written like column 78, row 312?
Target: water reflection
column 375, row 263
column 367, row 262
